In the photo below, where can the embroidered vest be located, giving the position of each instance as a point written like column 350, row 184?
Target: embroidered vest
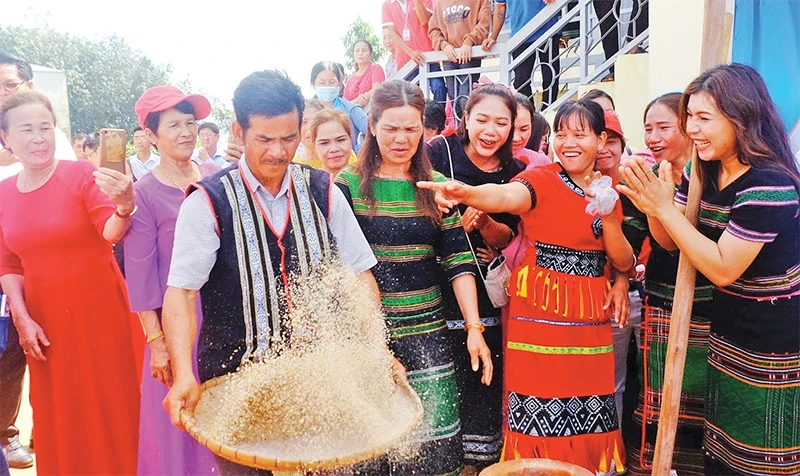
column 245, row 299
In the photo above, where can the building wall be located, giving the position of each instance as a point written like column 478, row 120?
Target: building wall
column 53, row 83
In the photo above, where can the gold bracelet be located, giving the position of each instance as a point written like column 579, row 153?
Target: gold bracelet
column 476, row 325
column 154, row 336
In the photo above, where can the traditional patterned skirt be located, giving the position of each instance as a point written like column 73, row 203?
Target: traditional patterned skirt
column 688, row 453
column 425, row 350
column 481, row 405
column 752, row 410
column 559, row 365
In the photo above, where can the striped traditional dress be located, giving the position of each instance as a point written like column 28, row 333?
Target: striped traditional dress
column 752, row 414
column 411, row 248
column 659, row 290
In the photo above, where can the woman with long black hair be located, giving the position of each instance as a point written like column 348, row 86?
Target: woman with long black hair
column 747, row 243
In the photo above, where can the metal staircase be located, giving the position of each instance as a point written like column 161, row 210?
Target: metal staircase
column 582, row 60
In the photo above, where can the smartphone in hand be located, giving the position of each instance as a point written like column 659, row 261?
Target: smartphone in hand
column 112, row 149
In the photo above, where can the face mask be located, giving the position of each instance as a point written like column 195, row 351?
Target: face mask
column 327, row 93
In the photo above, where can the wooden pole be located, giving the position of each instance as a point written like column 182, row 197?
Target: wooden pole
column 715, row 50
column 678, row 342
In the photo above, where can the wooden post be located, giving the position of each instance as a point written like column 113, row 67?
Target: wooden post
column 678, row 341
column 715, row 50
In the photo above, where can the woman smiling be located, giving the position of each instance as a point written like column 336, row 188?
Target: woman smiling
column 68, row 297
column 330, row 134
column 480, row 153
column 559, row 359
column 747, row 242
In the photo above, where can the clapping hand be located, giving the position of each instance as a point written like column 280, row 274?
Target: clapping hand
column 649, row 193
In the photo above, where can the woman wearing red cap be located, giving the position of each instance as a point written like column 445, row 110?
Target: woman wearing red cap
column 169, row 118
column 68, row 297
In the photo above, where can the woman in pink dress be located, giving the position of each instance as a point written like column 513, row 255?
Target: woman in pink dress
column 169, row 120
column 367, row 77
column 68, row 298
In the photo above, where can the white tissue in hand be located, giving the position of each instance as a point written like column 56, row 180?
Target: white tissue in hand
column 605, row 197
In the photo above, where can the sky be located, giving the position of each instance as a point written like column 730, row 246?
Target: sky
column 214, row 44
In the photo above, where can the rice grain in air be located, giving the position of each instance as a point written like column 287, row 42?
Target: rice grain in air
column 329, row 392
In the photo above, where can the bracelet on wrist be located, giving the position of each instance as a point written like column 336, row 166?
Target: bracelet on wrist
column 474, row 325
column 154, row 336
column 126, row 216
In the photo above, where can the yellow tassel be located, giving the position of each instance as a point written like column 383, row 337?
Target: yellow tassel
column 522, row 282
column 546, row 288
column 535, row 286
column 558, row 295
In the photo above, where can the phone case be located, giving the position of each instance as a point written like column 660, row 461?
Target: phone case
column 112, row 149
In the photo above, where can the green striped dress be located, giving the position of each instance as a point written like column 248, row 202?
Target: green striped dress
column 412, row 250
column 752, row 406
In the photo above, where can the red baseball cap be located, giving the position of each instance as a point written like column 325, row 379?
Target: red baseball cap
column 161, row 98
column 613, row 124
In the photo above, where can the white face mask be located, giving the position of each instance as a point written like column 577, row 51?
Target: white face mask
column 327, row 93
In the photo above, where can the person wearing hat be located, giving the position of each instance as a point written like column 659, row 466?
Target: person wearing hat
column 68, row 298
column 169, row 120
column 241, row 234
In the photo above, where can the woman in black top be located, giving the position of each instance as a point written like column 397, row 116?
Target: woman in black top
column 480, row 153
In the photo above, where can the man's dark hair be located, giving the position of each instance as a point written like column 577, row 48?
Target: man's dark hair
column 137, row 129
column 435, row 117
column 92, row 142
column 267, row 93
column 78, row 136
column 23, row 67
column 210, row 126
column 154, row 118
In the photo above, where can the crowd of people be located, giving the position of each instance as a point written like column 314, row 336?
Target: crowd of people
column 508, row 306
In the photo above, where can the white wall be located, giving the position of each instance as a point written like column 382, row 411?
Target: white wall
column 53, row 83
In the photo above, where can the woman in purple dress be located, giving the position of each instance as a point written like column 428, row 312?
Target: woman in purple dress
column 169, row 119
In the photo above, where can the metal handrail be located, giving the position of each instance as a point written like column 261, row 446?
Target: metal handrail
column 591, row 65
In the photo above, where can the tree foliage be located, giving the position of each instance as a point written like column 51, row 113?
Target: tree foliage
column 104, row 77
column 361, row 30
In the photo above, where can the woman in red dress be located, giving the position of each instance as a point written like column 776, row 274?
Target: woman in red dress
column 559, row 356
column 68, row 298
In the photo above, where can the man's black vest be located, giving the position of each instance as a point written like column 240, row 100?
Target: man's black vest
column 244, row 300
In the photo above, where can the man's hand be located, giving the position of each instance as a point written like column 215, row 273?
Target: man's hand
column 399, row 371
column 234, row 152
column 417, row 57
column 183, row 394
column 488, row 43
